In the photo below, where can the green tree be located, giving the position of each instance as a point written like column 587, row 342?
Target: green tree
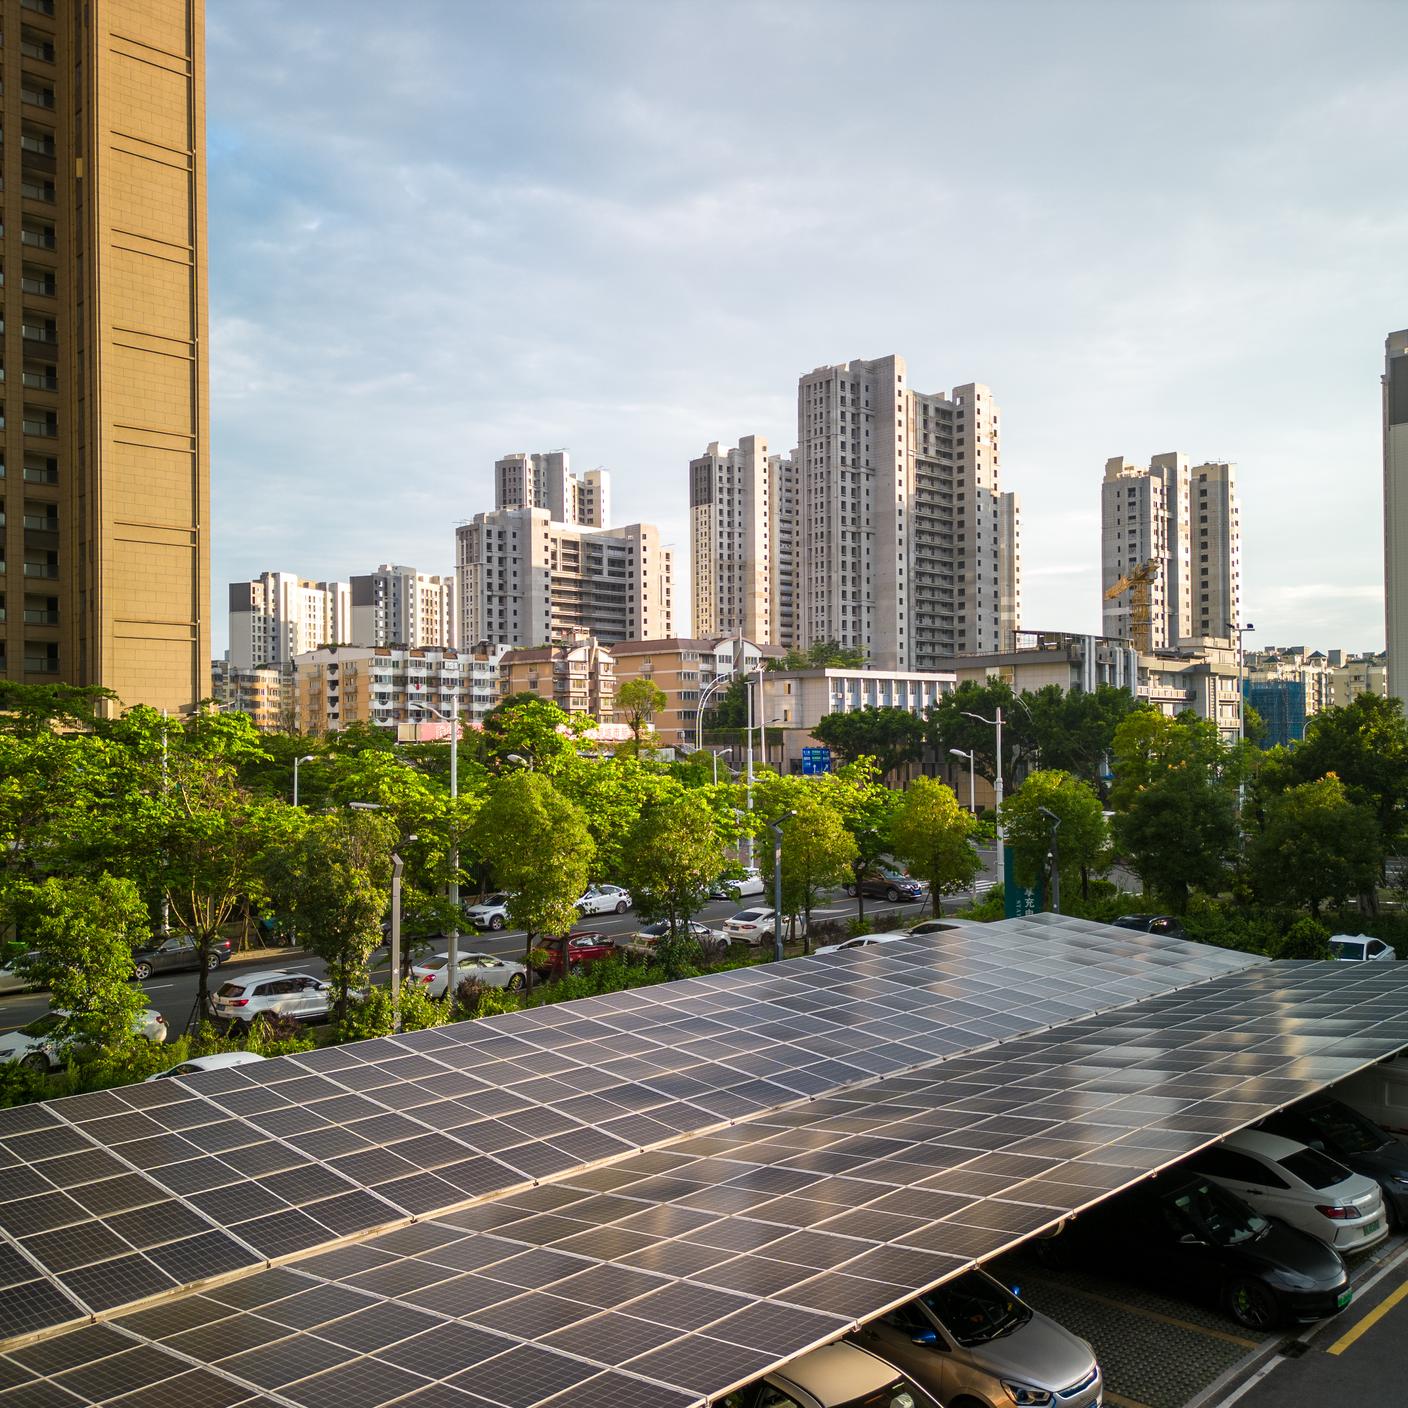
column 673, row 855
column 1314, row 846
column 1073, row 730
column 84, row 932
column 333, row 882
column 32, row 709
column 820, row 655
column 1305, row 939
column 933, row 835
column 893, row 737
column 534, row 729
column 729, row 708
column 639, row 700
column 1082, row 836
column 949, row 726
column 817, row 852
column 537, row 844
column 1175, row 799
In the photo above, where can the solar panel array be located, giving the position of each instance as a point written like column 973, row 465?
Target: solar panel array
column 669, row 1276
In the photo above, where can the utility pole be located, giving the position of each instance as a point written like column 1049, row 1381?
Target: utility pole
column 776, row 828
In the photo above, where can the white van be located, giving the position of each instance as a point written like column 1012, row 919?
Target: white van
column 1381, row 1093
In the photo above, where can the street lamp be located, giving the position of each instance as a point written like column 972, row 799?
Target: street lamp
column 715, row 684
column 397, row 866
column 714, row 754
column 520, row 760
column 776, row 828
column 996, row 788
column 452, row 961
column 971, row 755
column 1054, row 856
column 1241, row 704
column 306, row 758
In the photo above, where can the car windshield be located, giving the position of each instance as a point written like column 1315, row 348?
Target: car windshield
column 230, row 990
column 1314, row 1168
column 1345, row 1128
column 49, row 1022
column 748, row 916
column 1347, row 948
column 1217, row 1216
column 899, row 1394
column 974, row 1308
column 655, row 931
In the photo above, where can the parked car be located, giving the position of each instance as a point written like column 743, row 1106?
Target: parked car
column 217, row 1061
column 834, row 1376
column 44, row 1046
column 1361, row 948
column 1152, row 924
column 862, row 941
column 884, row 883
column 750, row 926
column 604, row 899
column 14, row 975
column 929, row 926
column 174, row 953
column 650, row 934
column 974, row 1341
column 490, row 913
column 1380, row 1093
column 750, row 883
column 1339, row 1130
column 485, row 968
column 1303, row 1187
column 251, row 995
column 1184, row 1233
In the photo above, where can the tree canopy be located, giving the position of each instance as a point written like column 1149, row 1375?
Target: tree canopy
column 893, row 737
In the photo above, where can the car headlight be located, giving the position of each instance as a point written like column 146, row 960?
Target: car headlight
column 1025, row 1395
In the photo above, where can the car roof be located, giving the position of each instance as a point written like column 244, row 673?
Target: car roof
column 1257, row 1141
column 266, row 975
column 837, row 1373
column 217, row 1059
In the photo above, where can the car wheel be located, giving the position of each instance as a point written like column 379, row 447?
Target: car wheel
column 574, row 970
column 213, row 962
column 142, row 972
column 893, row 895
column 621, row 906
column 35, row 1061
column 851, row 891
column 516, row 983
column 1252, row 1305
column 497, row 922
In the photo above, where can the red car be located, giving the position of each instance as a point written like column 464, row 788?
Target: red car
column 581, row 947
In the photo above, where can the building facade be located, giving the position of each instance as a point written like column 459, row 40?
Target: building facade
column 907, row 549
column 1395, row 403
column 104, row 453
column 784, row 509
column 400, row 606
column 731, row 540
column 546, row 481
column 1186, row 520
column 279, row 615
column 578, row 674
column 382, row 685
column 523, row 579
column 264, row 693
column 1360, row 674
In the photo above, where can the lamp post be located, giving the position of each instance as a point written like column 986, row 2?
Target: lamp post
column 776, row 828
column 297, row 762
column 396, row 868
column 972, row 756
column 714, row 685
column 996, row 788
column 520, row 760
column 1055, row 858
column 452, row 960
column 1241, row 705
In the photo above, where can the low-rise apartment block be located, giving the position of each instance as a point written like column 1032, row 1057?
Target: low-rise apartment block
column 381, row 685
column 578, row 674
column 265, row 693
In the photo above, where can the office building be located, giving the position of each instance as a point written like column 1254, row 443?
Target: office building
column 279, row 615
column 546, row 481
column 400, row 606
column 731, row 540
column 1395, row 400
column 524, row 579
column 577, row 673
column 1181, row 525
column 104, row 456
column 907, row 548
column 387, row 686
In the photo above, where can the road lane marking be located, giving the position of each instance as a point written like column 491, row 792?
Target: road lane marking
column 1163, row 1319
column 152, row 987
column 1369, row 1320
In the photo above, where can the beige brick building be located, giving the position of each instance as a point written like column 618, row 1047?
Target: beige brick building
column 105, row 475
column 578, row 674
column 383, row 685
column 264, row 693
column 731, row 540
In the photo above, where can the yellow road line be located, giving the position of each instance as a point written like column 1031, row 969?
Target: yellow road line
column 1120, row 1401
column 1162, row 1318
column 1369, row 1321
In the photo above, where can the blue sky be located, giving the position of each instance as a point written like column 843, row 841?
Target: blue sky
column 444, row 230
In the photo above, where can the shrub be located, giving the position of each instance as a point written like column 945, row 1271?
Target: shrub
column 1306, row 938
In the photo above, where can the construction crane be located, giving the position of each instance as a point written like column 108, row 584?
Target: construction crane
column 1139, row 583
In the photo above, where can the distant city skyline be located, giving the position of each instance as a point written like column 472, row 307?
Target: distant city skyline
column 1139, row 237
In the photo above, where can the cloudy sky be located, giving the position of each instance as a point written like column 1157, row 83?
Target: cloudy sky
column 443, row 230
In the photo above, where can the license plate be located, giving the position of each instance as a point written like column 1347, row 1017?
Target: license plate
column 1344, row 1298
column 1370, row 1228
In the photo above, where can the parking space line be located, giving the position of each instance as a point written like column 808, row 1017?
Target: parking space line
column 1162, row 1318
column 1369, row 1320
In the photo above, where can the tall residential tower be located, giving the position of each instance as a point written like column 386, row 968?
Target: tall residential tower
column 1395, row 392
column 731, row 541
column 104, row 479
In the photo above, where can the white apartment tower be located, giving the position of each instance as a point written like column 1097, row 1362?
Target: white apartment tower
column 1187, row 520
column 731, row 541
column 546, row 480
column 279, row 615
column 399, row 606
column 1395, row 394
column 906, row 547
column 785, row 507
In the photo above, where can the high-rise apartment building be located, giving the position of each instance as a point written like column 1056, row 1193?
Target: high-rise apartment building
column 546, row 481
column 907, row 549
column 400, row 606
column 104, row 463
column 1395, row 393
column 524, row 579
column 1187, row 521
column 784, row 483
column 280, row 614
column 731, row 540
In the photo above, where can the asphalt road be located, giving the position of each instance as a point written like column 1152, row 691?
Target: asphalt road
column 174, row 994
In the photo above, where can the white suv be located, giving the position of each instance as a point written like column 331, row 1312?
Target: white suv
column 297, row 995
column 604, row 899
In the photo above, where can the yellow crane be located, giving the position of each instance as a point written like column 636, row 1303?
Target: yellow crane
column 1139, row 583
